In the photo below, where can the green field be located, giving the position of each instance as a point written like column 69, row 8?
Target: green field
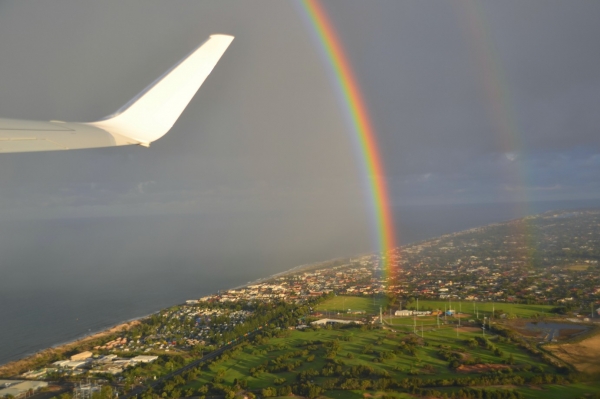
column 360, row 346
column 485, row 308
column 580, row 390
column 342, row 304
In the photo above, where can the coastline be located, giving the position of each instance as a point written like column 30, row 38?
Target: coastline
column 43, row 356
column 14, row 367
column 32, row 361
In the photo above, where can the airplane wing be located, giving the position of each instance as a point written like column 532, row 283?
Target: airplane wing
column 144, row 119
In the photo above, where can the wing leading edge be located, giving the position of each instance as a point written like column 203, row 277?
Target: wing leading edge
column 144, row 119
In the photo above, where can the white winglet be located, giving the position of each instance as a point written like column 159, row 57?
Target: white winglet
column 144, row 119
column 152, row 113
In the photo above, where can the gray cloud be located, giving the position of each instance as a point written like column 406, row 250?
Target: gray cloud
column 267, row 130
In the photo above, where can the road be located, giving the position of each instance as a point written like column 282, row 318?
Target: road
column 138, row 390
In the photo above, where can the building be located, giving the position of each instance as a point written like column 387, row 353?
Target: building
column 422, row 313
column 144, row 359
column 329, row 322
column 67, row 364
column 81, row 356
column 403, row 313
column 19, row 388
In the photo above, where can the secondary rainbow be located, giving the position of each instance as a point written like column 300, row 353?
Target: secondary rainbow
column 365, row 135
column 496, row 93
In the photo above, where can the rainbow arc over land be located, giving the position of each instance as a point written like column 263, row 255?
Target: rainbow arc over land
column 500, row 105
column 354, row 104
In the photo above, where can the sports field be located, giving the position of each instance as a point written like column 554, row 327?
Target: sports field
column 344, row 304
column 484, row 308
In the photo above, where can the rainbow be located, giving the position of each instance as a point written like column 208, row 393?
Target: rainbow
column 366, row 137
column 496, row 94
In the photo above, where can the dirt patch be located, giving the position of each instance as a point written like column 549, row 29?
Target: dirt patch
column 462, row 316
column 530, row 333
column 39, row 359
column 469, row 329
column 495, row 386
column 567, row 333
column 535, row 387
column 481, row 368
column 581, row 355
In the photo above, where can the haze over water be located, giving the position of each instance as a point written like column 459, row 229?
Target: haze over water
column 62, row 279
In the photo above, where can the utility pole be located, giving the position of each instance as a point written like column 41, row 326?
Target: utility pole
column 414, row 324
column 380, row 316
column 483, row 326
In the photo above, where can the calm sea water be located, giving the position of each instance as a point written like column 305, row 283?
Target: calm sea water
column 63, row 279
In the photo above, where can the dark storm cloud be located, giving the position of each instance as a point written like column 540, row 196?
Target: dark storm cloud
column 266, row 131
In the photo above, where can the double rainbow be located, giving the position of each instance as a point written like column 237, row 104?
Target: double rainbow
column 370, row 156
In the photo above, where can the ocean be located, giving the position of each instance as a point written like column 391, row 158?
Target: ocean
column 63, row 279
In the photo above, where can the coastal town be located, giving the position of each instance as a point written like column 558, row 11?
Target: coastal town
column 550, row 260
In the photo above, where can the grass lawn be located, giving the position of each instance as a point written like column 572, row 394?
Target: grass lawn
column 484, row 308
column 578, row 267
column 573, row 391
column 340, row 394
column 359, row 347
column 343, row 304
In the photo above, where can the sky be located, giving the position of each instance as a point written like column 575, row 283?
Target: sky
column 477, row 105
column 472, row 102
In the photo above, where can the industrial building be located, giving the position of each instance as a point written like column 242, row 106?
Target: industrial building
column 19, row 388
column 324, row 322
column 81, row 356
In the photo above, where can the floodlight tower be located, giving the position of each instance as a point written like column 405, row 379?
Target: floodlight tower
column 414, row 323
column 483, row 326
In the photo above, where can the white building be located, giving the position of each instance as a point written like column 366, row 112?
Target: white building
column 403, row 313
column 82, row 356
column 324, row 322
column 144, row 359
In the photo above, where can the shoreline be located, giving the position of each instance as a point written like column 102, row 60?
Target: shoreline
column 14, row 367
